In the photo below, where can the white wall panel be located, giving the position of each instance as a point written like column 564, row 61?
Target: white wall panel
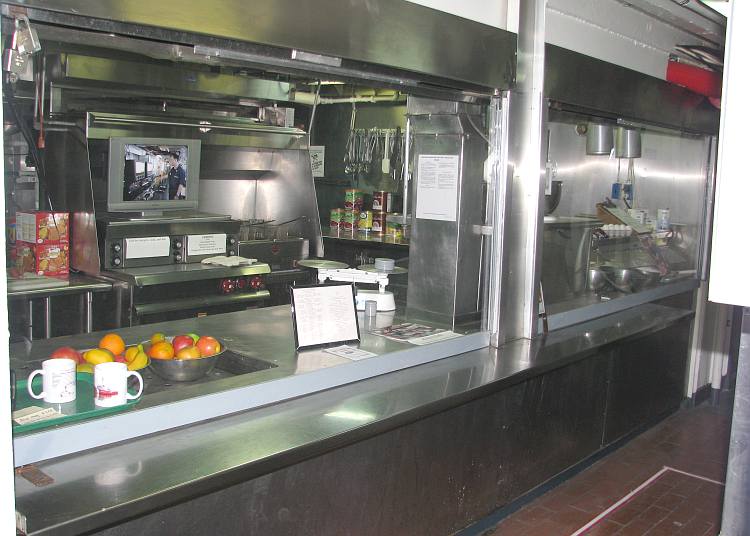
column 730, row 253
column 490, row 12
column 613, row 32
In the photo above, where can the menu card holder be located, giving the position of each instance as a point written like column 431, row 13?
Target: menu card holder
column 324, row 314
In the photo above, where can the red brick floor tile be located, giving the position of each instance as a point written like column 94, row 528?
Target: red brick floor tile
column 625, row 514
column 670, row 501
column 535, row 514
column 693, row 440
column 604, row 528
column 637, row 527
column 511, row 527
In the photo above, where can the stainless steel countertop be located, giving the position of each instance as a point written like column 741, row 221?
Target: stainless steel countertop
column 264, row 334
column 259, row 334
column 76, row 284
column 184, row 273
column 132, row 478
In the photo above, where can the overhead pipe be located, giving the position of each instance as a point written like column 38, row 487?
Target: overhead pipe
column 309, row 98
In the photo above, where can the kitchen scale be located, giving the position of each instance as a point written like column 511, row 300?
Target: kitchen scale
column 382, row 297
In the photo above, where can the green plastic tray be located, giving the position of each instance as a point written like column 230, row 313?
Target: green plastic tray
column 80, row 409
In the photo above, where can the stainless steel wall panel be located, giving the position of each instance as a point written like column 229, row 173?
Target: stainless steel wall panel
column 385, row 32
column 672, row 173
column 445, row 257
column 735, row 519
column 281, row 191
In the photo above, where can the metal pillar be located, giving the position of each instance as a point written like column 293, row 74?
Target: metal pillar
column 522, row 232
column 735, row 519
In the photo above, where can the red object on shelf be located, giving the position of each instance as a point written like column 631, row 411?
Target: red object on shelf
column 695, row 79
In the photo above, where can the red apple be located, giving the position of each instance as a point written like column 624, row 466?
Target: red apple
column 66, row 352
column 120, row 359
column 182, row 341
column 208, row 346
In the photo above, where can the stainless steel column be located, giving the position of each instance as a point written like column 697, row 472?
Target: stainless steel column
column 89, row 297
column 47, row 317
column 735, row 520
column 30, row 327
column 522, row 233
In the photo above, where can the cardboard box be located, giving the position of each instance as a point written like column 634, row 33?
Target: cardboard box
column 42, row 227
column 43, row 259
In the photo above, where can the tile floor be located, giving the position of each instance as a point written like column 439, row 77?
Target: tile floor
column 694, row 441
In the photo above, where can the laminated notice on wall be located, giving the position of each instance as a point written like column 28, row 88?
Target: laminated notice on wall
column 318, row 160
column 437, row 187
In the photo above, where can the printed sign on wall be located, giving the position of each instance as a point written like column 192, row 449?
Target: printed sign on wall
column 317, row 159
column 437, row 187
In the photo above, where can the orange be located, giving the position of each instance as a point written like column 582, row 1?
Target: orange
column 112, row 342
column 161, row 350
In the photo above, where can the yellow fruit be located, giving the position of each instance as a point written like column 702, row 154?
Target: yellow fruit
column 140, row 361
column 157, row 337
column 98, row 355
column 112, row 342
column 132, row 352
column 88, row 368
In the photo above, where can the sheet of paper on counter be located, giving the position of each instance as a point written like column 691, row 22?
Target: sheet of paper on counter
column 35, row 414
column 435, row 337
column 417, row 334
column 404, row 332
column 349, row 352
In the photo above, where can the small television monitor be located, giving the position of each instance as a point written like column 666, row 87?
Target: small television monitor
column 153, row 174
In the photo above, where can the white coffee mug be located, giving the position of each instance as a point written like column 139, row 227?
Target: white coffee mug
column 58, row 381
column 111, row 384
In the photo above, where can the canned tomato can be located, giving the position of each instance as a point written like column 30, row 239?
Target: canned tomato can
column 394, row 226
column 351, row 220
column 337, row 216
column 365, row 220
column 354, row 199
column 378, row 222
column 380, row 201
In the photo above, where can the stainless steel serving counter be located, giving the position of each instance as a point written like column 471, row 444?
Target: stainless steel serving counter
column 113, row 483
column 260, row 334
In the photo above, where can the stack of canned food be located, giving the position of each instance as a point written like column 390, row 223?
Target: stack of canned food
column 353, row 218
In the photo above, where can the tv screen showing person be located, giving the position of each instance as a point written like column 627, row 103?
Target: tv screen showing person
column 155, row 173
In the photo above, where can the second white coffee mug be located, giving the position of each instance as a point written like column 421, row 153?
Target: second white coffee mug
column 111, row 384
column 58, row 381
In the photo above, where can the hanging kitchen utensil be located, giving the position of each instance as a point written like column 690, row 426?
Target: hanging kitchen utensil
column 385, row 164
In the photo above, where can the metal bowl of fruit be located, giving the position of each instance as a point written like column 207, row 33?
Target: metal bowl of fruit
column 177, row 359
